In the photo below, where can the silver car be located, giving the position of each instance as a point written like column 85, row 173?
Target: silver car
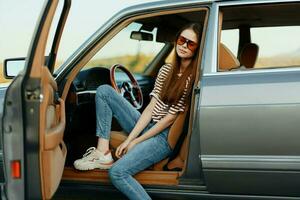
column 240, row 138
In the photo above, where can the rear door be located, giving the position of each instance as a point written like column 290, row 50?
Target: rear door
column 34, row 118
column 249, row 118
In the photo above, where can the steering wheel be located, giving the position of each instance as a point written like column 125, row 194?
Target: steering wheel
column 129, row 90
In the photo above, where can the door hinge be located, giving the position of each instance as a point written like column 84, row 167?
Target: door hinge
column 197, row 90
column 34, row 95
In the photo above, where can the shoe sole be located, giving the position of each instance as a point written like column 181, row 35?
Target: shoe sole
column 95, row 166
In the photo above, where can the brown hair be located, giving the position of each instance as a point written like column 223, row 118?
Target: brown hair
column 174, row 87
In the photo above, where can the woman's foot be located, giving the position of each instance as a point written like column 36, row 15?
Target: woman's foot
column 94, row 159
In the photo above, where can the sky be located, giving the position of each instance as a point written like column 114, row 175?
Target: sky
column 18, row 20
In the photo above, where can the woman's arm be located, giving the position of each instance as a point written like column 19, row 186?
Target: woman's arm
column 157, row 128
column 140, row 125
column 143, row 121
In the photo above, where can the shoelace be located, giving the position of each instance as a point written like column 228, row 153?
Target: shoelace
column 89, row 151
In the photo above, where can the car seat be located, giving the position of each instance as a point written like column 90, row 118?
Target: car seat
column 227, row 59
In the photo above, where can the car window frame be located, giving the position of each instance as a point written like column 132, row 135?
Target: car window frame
column 93, row 44
column 211, row 67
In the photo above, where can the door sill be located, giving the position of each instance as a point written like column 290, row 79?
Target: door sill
column 146, row 177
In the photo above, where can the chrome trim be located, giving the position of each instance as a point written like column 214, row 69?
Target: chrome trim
column 86, row 92
column 254, row 71
column 251, row 162
column 209, row 61
column 247, row 105
column 230, row 3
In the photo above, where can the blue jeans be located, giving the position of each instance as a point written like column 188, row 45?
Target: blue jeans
column 108, row 104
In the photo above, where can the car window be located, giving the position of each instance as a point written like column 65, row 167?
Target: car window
column 259, row 36
column 230, row 38
column 280, row 49
column 134, row 54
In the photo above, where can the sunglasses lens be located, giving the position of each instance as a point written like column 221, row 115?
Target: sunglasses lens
column 192, row 45
column 181, row 40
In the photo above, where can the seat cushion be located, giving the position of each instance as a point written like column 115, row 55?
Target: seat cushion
column 116, row 138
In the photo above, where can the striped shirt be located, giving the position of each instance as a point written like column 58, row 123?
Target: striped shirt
column 161, row 109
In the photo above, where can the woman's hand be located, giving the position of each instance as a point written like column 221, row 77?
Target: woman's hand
column 125, row 147
column 131, row 145
column 121, row 150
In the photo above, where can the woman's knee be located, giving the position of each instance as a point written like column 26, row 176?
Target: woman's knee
column 114, row 173
column 104, row 90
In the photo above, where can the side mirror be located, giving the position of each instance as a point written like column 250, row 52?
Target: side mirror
column 137, row 35
column 13, row 66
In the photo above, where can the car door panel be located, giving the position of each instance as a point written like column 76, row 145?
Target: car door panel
column 52, row 124
column 249, row 132
column 268, row 183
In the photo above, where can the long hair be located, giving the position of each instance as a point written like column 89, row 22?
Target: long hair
column 173, row 86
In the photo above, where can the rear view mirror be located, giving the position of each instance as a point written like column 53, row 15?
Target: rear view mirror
column 137, row 35
column 13, row 66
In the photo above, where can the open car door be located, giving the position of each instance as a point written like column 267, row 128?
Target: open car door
column 34, row 118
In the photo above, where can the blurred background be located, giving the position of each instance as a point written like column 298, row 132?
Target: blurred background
column 18, row 20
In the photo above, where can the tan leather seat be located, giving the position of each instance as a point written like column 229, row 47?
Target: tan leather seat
column 173, row 137
column 177, row 163
column 248, row 55
column 116, row 138
column 227, row 59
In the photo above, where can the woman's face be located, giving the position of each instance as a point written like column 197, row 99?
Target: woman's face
column 187, row 43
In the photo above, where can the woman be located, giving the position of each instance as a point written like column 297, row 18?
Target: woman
column 147, row 142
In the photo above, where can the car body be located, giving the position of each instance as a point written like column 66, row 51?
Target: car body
column 240, row 137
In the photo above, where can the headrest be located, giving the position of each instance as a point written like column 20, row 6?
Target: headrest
column 227, row 60
column 248, row 55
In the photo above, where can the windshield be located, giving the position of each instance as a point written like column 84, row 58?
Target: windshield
column 135, row 55
column 85, row 19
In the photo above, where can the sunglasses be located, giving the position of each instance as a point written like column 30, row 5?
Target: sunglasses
column 190, row 44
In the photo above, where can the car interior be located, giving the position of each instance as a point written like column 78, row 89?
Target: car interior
column 86, row 78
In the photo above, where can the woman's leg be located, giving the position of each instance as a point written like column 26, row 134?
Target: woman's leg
column 108, row 103
column 137, row 159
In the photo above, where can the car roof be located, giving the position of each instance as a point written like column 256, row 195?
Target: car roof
column 175, row 3
column 182, row 2
column 265, row 18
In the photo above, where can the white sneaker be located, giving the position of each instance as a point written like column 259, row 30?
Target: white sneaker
column 94, row 159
